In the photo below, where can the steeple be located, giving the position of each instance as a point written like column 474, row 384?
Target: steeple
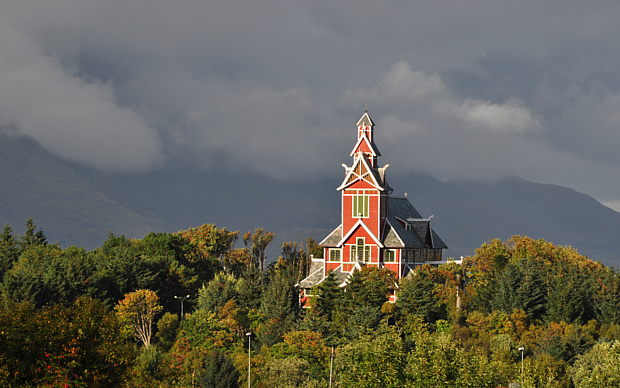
column 365, row 141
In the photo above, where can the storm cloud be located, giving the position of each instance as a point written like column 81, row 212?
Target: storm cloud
column 462, row 90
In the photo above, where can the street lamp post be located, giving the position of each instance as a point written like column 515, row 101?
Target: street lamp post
column 249, row 335
column 182, row 298
column 522, row 349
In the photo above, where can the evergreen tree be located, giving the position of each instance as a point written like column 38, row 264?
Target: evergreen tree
column 279, row 307
column 417, row 296
column 607, row 298
column 322, row 308
column 219, row 372
column 521, row 286
column 32, row 236
column 9, row 250
column 570, row 294
column 360, row 308
column 250, row 289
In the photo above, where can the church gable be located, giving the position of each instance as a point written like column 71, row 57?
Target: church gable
column 359, row 230
column 361, row 170
column 365, row 146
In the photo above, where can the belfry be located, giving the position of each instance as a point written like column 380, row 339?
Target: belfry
column 376, row 228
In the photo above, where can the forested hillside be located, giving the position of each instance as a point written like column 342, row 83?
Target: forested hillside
column 112, row 316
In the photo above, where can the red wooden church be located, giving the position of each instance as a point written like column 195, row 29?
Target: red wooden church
column 376, row 228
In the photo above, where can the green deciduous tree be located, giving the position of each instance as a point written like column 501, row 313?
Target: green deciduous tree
column 288, row 372
column 437, row 361
column 599, row 367
column 218, row 291
column 372, row 362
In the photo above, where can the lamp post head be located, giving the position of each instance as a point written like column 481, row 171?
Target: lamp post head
column 521, row 348
column 248, row 334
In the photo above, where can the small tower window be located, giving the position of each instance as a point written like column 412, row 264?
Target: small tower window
column 360, row 206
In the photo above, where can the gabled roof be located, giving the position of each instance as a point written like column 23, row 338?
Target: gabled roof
column 397, row 236
column 358, row 224
column 333, row 238
column 364, row 170
column 317, row 277
column 421, row 234
column 365, row 121
column 371, row 145
column 313, row 279
column 390, row 236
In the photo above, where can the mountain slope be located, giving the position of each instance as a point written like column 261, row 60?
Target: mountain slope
column 67, row 201
column 470, row 213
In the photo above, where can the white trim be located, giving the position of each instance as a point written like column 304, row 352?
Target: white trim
column 354, row 228
column 364, row 160
column 359, row 141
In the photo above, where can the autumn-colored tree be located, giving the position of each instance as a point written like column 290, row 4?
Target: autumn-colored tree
column 77, row 345
column 208, row 241
column 137, row 312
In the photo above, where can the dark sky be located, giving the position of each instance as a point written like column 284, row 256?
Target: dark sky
column 460, row 89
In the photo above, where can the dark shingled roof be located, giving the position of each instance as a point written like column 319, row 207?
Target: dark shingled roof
column 365, row 121
column 333, row 239
column 421, row 234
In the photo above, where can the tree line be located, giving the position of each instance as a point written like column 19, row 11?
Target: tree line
column 112, row 316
